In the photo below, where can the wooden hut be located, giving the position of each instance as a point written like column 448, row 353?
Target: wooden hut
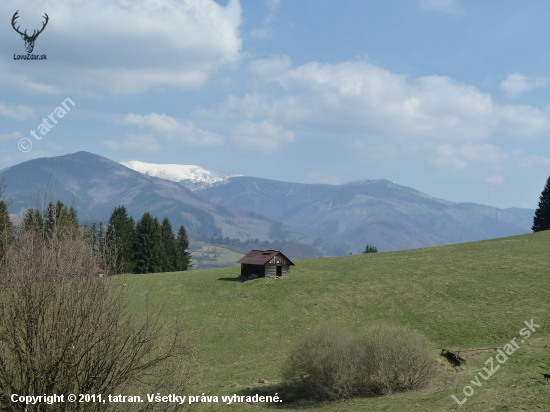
column 265, row 263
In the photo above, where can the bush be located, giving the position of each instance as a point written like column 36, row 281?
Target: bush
column 330, row 364
column 400, row 360
column 64, row 329
column 321, row 366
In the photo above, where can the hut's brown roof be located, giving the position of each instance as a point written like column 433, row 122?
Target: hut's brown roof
column 260, row 257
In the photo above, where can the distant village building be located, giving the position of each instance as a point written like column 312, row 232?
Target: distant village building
column 265, row 263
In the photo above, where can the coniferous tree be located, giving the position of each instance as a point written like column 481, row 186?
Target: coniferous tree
column 170, row 246
column 60, row 220
column 183, row 255
column 370, row 249
column 6, row 231
column 541, row 221
column 120, row 235
column 34, row 221
column 148, row 248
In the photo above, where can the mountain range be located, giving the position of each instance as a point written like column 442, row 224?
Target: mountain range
column 337, row 219
column 95, row 185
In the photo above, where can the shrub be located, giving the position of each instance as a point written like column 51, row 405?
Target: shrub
column 400, row 359
column 330, row 364
column 321, row 366
column 64, row 329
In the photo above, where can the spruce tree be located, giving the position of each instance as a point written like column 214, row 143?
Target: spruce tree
column 120, row 235
column 59, row 219
column 148, row 248
column 170, row 246
column 541, row 221
column 183, row 255
column 370, row 249
column 33, row 220
column 6, row 231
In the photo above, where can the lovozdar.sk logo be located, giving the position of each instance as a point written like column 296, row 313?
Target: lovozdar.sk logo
column 29, row 40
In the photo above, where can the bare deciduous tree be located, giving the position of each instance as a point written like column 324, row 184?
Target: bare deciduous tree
column 65, row 330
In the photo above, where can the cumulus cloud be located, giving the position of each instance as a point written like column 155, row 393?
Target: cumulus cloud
column 120, row 46
column 496, row 180
column 260, row 137
column 272, row 68
column 444, row 5
column 134, row 143
column 516, row 84
column 174, row 130
column 266, row 31
column 357, row 98
column 19, row 112
column 452, row 157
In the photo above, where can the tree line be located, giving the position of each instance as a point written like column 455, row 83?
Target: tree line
column 148, row 246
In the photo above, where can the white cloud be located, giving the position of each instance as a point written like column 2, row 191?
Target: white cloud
column 496, row 180
column 444, row 5
column 10, row 136
column 135, row 143
column 267, row 31
column 357, row 98
column 122, row 46
column 272, row 68
column 375, row 152
column 260, row 137
column 534, row 160
column 19, row 112
column 516, row 84
column 174, row 130
column 452, row 157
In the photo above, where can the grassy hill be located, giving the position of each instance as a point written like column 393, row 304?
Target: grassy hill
column 464, row 296
column 206, row 256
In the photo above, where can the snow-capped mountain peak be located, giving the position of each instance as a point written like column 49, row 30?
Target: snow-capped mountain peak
column 191, row 176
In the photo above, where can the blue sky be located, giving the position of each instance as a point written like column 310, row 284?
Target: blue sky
column 450, row 97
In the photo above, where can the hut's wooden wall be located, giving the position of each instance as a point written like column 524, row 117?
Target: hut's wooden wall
column 271, row 271
column 285, row 271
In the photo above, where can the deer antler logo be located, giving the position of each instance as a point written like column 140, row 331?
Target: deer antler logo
column 29, row 40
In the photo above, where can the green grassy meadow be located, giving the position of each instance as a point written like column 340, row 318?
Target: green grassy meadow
column 464, row 296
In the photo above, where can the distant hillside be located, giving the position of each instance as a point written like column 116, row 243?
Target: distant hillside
column 206, row 256
column 291, row 250
column 96, row 185
column 379, row 212
column 336, row 219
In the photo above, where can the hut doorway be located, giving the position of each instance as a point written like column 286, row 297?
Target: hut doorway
column 279, row 271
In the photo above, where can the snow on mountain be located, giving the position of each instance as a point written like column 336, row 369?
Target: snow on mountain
column 192, row 176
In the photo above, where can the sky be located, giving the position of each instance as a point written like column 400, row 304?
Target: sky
column 450, row 97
